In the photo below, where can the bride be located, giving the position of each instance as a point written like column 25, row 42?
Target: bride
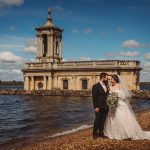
column 123, row 124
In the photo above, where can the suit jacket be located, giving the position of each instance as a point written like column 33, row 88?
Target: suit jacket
column 99, row 96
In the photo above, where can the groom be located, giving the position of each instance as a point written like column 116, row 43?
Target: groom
column 99, row 96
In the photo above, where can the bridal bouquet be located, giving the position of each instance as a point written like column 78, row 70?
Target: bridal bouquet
column 112, row 101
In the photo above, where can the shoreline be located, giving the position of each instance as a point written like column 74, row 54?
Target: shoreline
column 137, row 94
column 83, row 140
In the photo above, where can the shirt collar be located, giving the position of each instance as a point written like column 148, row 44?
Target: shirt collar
column 102, row 83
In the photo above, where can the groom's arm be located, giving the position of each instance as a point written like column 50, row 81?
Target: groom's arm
column 94, row 96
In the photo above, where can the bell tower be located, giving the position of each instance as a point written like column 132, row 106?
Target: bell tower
column 49, row 42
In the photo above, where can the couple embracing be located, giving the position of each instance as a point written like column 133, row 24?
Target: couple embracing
column 122, row 123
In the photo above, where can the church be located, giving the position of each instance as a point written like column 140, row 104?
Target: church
column 50, row 72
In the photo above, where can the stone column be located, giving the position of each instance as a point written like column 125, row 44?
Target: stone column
column 45, row 85
column 38, row 46
column 32, row 83
column 60, row 48
column 41, row 47
column 48, row 45
column 49, row 87
column 51, row 46
column 74, row 82
column 55, row 82
column 26, row 84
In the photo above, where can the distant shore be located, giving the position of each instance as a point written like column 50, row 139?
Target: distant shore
column 83, row 140
column 137, row 94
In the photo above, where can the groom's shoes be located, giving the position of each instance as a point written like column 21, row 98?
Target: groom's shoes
column 95, row 136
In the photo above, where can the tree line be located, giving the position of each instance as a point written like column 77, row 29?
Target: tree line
column 12, row 83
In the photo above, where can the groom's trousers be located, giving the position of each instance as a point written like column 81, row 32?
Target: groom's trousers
column 99, row 122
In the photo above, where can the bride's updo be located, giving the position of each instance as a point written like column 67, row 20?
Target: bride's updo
column 116, row 78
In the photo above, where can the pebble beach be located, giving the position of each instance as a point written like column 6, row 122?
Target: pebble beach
column 83, row 140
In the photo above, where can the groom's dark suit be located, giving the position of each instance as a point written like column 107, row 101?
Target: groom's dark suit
column 99, row 96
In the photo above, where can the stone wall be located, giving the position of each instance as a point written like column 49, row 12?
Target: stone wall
column 137, row 94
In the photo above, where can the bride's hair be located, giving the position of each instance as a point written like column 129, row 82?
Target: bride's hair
column 116, row 78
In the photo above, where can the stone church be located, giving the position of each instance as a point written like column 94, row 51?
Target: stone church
column 50, row 72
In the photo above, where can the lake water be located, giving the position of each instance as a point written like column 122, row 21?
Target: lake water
column 26, row 119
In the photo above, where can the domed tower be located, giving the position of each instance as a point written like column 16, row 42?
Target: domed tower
column 49, row 42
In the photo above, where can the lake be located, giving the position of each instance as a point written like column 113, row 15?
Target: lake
column 26, row 119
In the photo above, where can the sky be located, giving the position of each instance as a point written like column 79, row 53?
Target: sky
column 93, row 30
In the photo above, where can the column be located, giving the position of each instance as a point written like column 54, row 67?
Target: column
column 49, row 83
column 51, row 45
column 55, row 82
column 74, row 82
column 32, row 83
column 41, row 47
column 37, row 46
column 60, row 48
column 45, row 85
column 26, row 84
column 48, row 45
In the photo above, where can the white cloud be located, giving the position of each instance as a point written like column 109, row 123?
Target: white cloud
column 8, row 3
column 8, row 57
column 124, row 54
column 58, row 9
column 88, row 30
column 85, row 58
column 30, row 46
column 76, row 31
column 121, row 30
column 147, row 56
column 10, row 46
column 134, row 44
column 9, row 75
column 131, row 44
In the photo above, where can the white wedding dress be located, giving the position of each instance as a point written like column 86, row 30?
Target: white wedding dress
column 123, row 124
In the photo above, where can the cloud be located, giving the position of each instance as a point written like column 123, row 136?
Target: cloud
column 9, row 75
column 124, row 54
column 121, row 30
column 30, row 46
column 134, row 44
column 131, row 44
column 9, row 57
column 58, row 9
column 85, row 58
column 10, row 46
column 12, row 28
column 76, row 31
column 147, row 56
column 9, row 3
column 88, row 30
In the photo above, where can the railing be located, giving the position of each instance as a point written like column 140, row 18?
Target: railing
column 85, row 64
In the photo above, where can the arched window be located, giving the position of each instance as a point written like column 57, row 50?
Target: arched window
column 65, row 84
column 84, row 84
column 40, row 86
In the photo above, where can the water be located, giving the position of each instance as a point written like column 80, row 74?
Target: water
column 145, row 87
column 26, row 119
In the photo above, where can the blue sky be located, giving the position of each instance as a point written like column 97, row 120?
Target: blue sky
column 93, row 29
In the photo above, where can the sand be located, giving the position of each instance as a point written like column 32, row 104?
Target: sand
column 83, row 140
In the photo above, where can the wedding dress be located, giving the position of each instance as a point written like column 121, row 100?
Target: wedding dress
column 123, row 124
